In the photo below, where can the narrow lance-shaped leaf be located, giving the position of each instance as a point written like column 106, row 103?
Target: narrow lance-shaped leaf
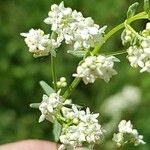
column 57, row 128
column 35, row 105
column 48, row 90
column 132, row 10
column 146, row 6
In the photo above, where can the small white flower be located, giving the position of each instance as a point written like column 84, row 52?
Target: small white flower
column 96, row 67
column 118, row 138
column 146, row 67
column 127, row 134
column 48, row 106
column 136, row 56
column 138, row 139
column 39, row 43
column 68, row 113
column 125, row 127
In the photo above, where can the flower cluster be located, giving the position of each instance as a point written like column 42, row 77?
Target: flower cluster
column 84, row 128
column 139, row 51
column 95, row 67
column 72, row 27
column 67, row 25
column 127, row 99
column 39, row 43
column 79, row 126
column 127, row 134
column 49, row 106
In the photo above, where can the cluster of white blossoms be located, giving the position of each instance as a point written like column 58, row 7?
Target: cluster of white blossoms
column 39, row 43
column 49, row 106
column 72, row 27
column 95, row 67
column 84, row 128
column 127, row 134
column 78, row 126
column 67, row 25
column 139, row 53
column 125, row 100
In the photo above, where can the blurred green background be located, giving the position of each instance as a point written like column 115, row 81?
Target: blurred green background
column 20, row 73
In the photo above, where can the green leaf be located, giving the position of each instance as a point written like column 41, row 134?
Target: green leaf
column 146, row 6
column 48, row 90
column 57, row 128
column 77, row 53
column 35, row 105
column 132, row 10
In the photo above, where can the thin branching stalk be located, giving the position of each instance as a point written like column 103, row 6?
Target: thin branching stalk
column 76, row 81
column 53, row 71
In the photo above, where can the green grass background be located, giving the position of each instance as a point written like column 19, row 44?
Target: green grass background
column 20, row 73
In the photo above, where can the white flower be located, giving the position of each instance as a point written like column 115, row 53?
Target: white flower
column 88, row 117
column 118, row 138
column 127, row 134
column 87, row 34
column 139, row 56
column 125, row 127
column 49, row 105
column 136, row 56
column 62, row 22
column 85, row 130
column 74, row 28
column 68, row 113
column 58, row 17
column 146, row 32
column 146, row 67
column 138, row 139
column 96, row 67
column 39, row 43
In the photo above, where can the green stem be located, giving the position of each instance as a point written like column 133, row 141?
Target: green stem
column 54, row 78
column 133, row 31
column 139, row 16
column 72, row 86
column 75, row 82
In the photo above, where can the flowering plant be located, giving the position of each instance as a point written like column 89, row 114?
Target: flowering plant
column 75, row 126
